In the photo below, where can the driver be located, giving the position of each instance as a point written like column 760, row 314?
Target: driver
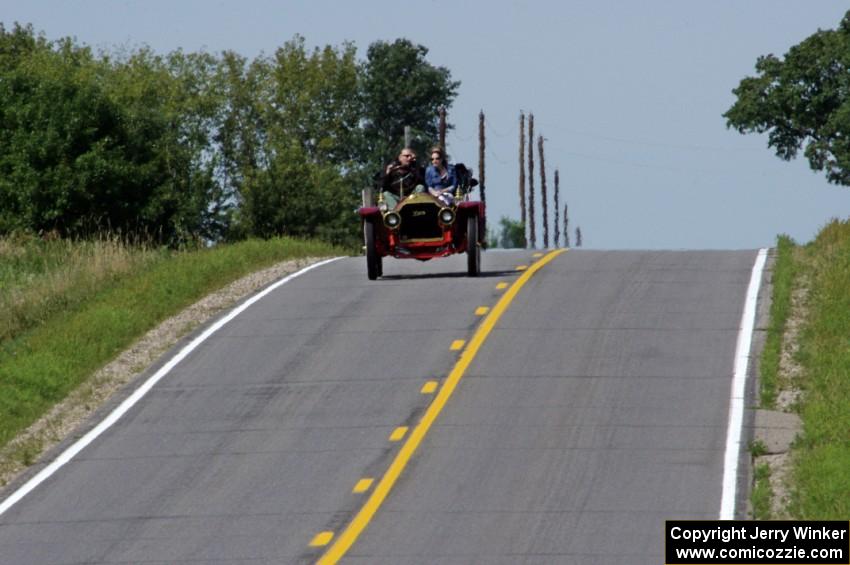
column 402, row 177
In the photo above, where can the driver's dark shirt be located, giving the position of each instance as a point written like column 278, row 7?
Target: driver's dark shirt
column 404, row 176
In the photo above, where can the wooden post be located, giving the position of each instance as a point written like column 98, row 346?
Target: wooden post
column 557, row 209
column 442, row 130
column 544, row 197
column 532, row 232
column 481, row 151
column 522, row 174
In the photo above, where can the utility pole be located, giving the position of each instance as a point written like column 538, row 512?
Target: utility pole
column 544, row 197
column 442, row 130
column 557, row 208
column 522, row 173
column 407, row 136
column 481, row 147
column 532, row 232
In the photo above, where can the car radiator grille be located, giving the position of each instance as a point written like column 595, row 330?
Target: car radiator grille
column 419, row 221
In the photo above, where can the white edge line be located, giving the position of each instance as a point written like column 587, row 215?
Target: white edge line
column 739, row 382
column 137, row 395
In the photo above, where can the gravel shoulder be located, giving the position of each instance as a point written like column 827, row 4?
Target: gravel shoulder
column 39, row 443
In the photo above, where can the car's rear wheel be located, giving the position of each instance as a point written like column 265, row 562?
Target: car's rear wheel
column 473, row 248
column 373, row 260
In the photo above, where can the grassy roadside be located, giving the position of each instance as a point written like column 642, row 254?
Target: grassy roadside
column 819, row 482
column 784, row 274
column 70, row 308
column 821, row 458
column 39, row 278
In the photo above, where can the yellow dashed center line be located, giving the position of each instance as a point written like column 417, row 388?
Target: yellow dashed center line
column 481, row 310
column 502, row 286
column 538, row 254
column 398, row 433
column 458, row 344
column 429, row 387
column 363, row 485
column 322, row 539
column 364, row 516
column 522, row 267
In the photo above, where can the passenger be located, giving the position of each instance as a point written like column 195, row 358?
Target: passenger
column 440, row 177
column 401, row 178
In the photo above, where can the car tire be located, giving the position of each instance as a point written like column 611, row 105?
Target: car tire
column 473, row 247
column 373, row 260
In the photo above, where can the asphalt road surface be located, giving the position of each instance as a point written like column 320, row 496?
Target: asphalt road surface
column 594, row 410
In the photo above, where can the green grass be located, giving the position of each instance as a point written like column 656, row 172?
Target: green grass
column 821, row 457
column 61, row 340
column 39, row 278
column 820, row 475
column 784, row 275
column 762, row 492
column 757, row 448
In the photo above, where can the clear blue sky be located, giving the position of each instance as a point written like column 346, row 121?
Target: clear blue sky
column 628, row 95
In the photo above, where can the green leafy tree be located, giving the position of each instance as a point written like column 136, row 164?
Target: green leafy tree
column 53, row 143
column 289, row 140
column 92, row 144
column 243, row 132
column 315, row 100
column 401, row 88
column 19, row 43
column 168, row 110
column 297, row 197
column 196, row 102
column 802, row 102
column 511, row 234
column 190, row 146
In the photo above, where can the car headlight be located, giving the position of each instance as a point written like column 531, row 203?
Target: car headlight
column 392, row 220
column 447, row 216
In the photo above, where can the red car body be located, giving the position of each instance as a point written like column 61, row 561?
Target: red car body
column 417, row 228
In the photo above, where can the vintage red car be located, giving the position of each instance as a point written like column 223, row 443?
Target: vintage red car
column 423, row 226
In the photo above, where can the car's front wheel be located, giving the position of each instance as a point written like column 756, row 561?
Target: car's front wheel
column 473, row 248
column 373, row 260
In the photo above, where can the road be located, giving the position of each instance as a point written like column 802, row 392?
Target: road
column 595, row 409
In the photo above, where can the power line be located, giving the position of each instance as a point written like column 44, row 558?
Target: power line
column 647, row 143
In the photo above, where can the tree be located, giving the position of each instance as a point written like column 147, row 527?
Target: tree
column 802, row 101
column 95, row 143
column 191, row 146
column 19, row 43
column 290, row 140
column 242, row 132
column 315, row 100
column 401, row 88
column 163, row 174
column 297, row 197
column 512, row 234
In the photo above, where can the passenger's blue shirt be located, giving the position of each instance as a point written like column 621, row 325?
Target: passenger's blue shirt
column 433, row 179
